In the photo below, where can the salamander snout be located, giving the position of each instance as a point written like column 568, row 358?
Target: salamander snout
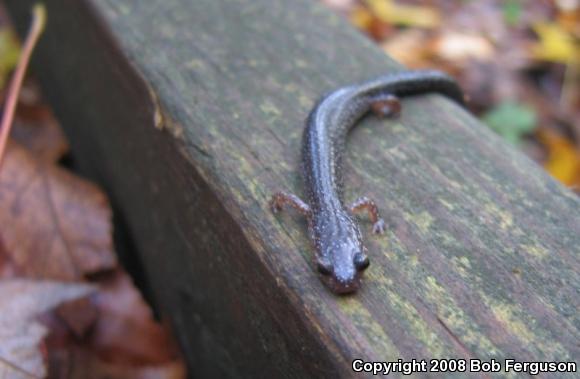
column 343, row 276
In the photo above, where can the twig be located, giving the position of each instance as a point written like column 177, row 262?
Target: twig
column 38, row 23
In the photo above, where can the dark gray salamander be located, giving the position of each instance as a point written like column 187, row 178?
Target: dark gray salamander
column 340, row 254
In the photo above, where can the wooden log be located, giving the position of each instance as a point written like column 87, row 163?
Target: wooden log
column 190, row 113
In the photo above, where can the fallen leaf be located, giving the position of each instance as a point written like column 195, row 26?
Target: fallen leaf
column 362, row 18
column 79, row 316
column 555, row 44
column 511, row 120
column 126, row 330
column 563, row 160
column 409, row 47
column 568, row 5
column 569, row 19
column 54, row 224
column 9, row 53
column 124, row 340
column 456, row 46
column 77, row 363
column 20, row 335
column 7, row 267
column 407, row 15
column 43, row 138
column 485, row 83
column 35, row 126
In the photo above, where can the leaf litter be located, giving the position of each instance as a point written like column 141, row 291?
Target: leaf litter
column 518, row 61
column 67, row 308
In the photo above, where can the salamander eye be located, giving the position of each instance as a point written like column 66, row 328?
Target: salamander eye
column 361, row 261
column 324, row 268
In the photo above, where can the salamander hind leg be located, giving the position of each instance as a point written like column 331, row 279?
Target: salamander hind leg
column 386, row 106
column 370, row 206
column 281, row 199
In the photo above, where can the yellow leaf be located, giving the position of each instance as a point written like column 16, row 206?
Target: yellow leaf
column 9, row 53
column 409, row 15
column 563, row 159
column 555, row 44
column 361, row 18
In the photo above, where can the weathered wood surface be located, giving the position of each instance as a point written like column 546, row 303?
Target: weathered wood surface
column 190, row 113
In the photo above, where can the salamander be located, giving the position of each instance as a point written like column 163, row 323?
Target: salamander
column 340, row 253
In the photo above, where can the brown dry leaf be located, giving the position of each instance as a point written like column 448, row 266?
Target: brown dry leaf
column 78, row 363
column 124, row 339
column 487, row 83
column 569, row 19
column 126, row 331
column 55, row 225
column 36, row 128
column 7, row 267
column 43, row 138
column 58, row 226
column 20, row 336
column 79, row 316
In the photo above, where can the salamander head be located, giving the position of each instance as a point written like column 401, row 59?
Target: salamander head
column 342, row 263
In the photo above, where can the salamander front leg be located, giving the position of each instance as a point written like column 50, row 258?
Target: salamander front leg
column 386, row 106
column 281, row 199
column 366, row 203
